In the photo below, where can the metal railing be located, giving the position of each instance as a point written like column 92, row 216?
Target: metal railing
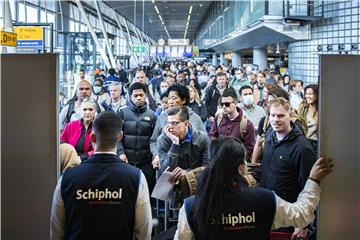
column 303, row 10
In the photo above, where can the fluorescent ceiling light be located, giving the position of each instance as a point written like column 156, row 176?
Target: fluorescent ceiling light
column 156, row 9
column 227, row 8
column 153, row 1
column 190, row 9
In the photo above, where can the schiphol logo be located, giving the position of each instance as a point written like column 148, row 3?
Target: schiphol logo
column 99, row 195
column 238, row 219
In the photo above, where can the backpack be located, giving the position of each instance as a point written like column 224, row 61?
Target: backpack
column 243, row 125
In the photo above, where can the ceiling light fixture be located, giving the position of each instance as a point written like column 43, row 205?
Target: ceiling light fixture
column 188, row 21
column 162, row 22
column 157, row 10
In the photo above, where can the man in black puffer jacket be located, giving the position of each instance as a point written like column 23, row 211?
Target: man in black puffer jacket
column 139, row 123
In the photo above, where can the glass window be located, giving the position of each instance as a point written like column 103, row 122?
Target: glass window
column 50, row 17
column 31, row 14
column 21, row 14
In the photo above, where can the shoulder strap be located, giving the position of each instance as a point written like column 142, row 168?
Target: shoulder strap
column 219, row 118
column 265, row 127
column 213, row 93
column 301, row 120
column 251, row 181
column 243, row 127
column 70, row 111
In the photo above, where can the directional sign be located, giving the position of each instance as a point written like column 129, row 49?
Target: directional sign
column 138, row 49
column 29, row 36
column 8, row 39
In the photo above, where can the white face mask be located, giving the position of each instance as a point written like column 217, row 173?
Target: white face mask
column 163, row 90
column 248, row 100
column 97, row 89
column 238, row 76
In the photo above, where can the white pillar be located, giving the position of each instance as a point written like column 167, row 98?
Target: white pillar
column 260, row 57
column 215, row 60
column 222, row 58
column 236, row 59
column 6, row 25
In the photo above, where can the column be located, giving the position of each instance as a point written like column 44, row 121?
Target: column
column 6, row 25
column 236, row 59
column 222, row 58
column 215, row 60
column 260, row 57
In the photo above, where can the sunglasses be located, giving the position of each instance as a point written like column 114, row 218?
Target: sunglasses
column 226, row 104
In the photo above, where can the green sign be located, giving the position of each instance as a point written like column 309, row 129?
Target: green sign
column 138, row 49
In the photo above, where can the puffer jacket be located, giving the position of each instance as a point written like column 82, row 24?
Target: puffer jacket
column 139, row 123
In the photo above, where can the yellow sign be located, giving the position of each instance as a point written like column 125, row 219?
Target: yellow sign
column 29, row 33
column 8, row 39
column 195, row 51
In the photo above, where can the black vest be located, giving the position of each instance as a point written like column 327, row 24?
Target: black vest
column 248, row 214
column 99, row 198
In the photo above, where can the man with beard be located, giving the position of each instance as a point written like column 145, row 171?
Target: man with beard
column 72, row 110
column 138, row 125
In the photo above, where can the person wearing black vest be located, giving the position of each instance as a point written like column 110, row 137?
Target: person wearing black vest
column 224, row 207
column 139, row 122
column 102, row 198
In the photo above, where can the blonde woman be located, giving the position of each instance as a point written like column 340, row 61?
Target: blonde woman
column 196, row 104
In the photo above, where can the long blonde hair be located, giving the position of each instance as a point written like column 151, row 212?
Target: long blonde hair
column 197, row 96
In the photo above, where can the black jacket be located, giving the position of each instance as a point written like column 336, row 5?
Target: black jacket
column 212, row 96
column 199, row 109
column 286, row 164
column 139, row 123
column 188, row 155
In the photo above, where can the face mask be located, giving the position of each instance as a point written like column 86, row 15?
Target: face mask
column 163, row 90
column 238, row 76
column 97, row 89
column 248, row 100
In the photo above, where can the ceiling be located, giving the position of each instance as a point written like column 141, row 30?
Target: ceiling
column 173, row 13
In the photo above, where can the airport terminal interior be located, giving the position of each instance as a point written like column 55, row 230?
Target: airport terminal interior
column 215, row 114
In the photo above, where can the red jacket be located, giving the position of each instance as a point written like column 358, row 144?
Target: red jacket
column 72, row 134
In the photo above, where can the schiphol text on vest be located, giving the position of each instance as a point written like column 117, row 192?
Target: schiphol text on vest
column 99, row 195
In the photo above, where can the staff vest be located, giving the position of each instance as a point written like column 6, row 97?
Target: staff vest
column 99, row 198
column 248, row 213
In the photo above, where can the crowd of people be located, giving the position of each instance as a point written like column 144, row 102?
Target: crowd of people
column 181, row 116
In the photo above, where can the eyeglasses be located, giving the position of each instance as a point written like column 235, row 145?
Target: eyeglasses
column 226, row 104
column 173, row 123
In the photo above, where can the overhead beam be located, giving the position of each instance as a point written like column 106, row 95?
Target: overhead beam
column 93, row 34
column 107, row 42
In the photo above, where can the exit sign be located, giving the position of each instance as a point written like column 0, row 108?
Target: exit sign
column 138, row 49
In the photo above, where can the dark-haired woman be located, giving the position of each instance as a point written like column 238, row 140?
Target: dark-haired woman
column 308, row 109
column 226, row 208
